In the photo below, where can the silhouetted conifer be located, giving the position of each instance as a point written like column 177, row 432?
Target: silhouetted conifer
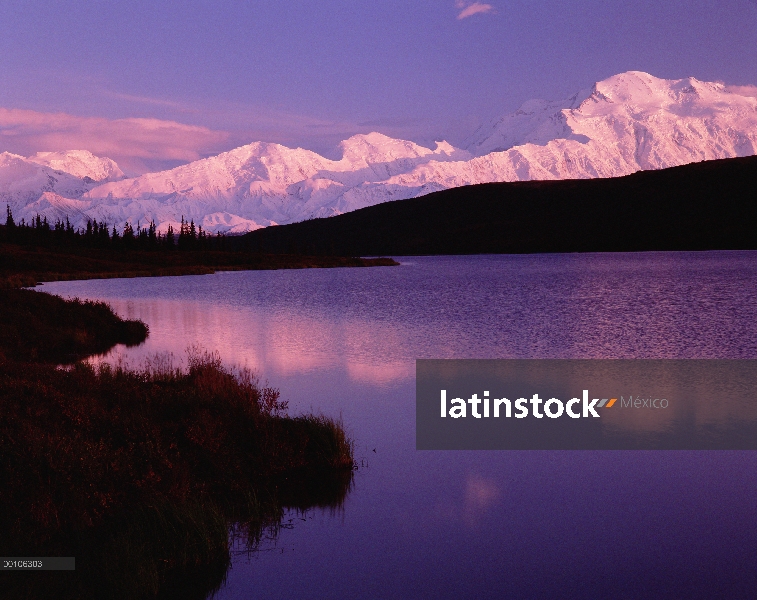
column 128, row 236
column 152, row 235
column 169, row 239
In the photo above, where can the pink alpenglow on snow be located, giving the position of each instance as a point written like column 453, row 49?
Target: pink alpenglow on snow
column 626, row 123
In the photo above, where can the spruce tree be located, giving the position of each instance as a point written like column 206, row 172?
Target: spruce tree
column 128, row 237
column 169, row 239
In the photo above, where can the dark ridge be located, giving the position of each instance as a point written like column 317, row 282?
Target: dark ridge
column 710, row 205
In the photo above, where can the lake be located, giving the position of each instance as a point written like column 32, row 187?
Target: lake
column 487, row 524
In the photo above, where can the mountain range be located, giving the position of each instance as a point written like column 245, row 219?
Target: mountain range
column 627, row 123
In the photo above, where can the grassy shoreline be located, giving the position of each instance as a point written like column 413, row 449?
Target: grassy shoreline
column 140, row 474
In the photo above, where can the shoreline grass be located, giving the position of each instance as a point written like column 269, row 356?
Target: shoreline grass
column 141, row 473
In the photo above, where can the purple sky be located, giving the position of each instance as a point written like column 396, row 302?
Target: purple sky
column 312, row 73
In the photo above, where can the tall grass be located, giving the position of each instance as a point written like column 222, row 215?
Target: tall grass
column 141, row 473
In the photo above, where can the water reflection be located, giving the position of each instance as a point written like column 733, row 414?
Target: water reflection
column 370, row 323
column 276, row 344
column 169, row 551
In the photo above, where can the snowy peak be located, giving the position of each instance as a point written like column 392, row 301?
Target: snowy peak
column 632, row 96
column 80, row 163
column 375, row 148
column 635, row 88
column 224, row 175
column 639, row 89
column 24, row 178
column 640, row 92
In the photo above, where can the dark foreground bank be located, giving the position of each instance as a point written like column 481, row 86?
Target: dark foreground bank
column 140, row 474
column 702, row 206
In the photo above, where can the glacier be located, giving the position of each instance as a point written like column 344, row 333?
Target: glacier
column 626, row 123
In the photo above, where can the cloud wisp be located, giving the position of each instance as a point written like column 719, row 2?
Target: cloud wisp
column 468, row 9
column 134, row 143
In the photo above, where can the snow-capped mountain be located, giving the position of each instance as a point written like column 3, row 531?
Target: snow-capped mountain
column 69, row 174
column 626, row 123
column 80, row 163
column 263, row 184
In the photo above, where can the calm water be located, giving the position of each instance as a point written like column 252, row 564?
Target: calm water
column 479, row 524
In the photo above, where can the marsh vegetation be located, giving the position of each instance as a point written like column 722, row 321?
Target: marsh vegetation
column 141, row 473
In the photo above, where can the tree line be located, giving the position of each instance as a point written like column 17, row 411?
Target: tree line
column 61, row 234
